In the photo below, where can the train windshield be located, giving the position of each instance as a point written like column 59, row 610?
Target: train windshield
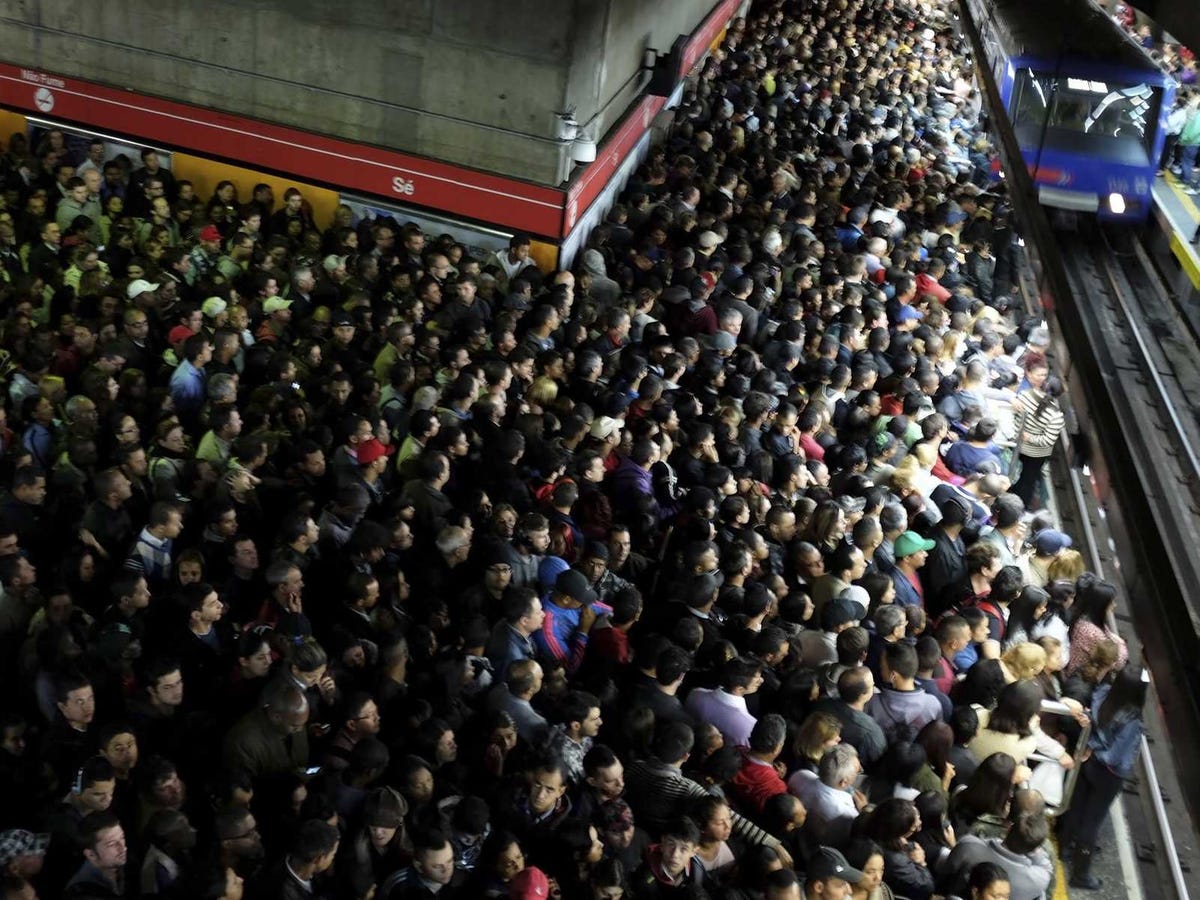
column 1112, row 115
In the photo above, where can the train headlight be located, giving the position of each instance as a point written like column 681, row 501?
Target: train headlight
column 1116, row 203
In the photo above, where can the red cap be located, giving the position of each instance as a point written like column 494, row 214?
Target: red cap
column 210, row 233
column 529, row 884
column 179, row 333
column 371, row 450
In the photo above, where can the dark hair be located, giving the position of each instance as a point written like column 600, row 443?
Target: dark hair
column 983, row 684
column 1028, row 832
column 987, row 791
column 937, row 738
column 673, row 741
column 1018, row 704
column 682, row 828
column 1126, row 700
column 891, row 821
column 1093, row 598
column 901, row 659
column 768, row 733
column 1021, row 611
column 860, row 850
column 984, row 875
column 94, row 823
column 94, row 770
column 964, row 721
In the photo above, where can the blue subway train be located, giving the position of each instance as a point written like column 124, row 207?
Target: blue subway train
column 1087, row 104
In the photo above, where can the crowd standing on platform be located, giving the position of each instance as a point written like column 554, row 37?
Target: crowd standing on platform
column 339, row 563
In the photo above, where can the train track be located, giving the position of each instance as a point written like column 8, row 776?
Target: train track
column 1149, row 359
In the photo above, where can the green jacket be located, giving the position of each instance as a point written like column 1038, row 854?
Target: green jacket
column 1190, row 136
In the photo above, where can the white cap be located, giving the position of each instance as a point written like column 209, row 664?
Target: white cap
column 139, row 287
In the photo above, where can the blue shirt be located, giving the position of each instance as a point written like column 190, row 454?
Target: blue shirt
column 964, row 459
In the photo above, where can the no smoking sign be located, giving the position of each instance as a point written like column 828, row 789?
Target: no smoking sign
column 43, row 99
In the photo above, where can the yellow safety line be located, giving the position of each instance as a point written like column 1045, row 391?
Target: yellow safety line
column 1184, row 198
column 1060, row 880
column 1179, row 242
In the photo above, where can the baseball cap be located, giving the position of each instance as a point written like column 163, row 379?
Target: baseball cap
column 275, row 304
column 708, row 239
column 828, row 863
column 858, row 598
column 179, row 333
column 596, row 550
column 910, row 542
column 574, row 584
column 606, row 426
column 955, row 511
column 210, row 233
column 341, row 317
column 371, row 450
column 213, row 307
column 1050, row 541
column 333, row 262
column 139, row 287
column 529, row 884
column 16, row 842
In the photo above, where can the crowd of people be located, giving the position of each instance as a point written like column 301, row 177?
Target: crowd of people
column 340, row 563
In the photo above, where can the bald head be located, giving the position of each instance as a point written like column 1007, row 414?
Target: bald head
column 524, row 678
column 286, row 706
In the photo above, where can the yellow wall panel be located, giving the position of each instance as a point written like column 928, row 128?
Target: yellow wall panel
column 10, row 124
column 206, row 174
column 545, row 255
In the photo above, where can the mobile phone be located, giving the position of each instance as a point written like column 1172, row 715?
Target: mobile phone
column 313, row 770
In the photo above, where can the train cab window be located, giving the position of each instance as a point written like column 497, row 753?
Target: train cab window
column 1071, row 108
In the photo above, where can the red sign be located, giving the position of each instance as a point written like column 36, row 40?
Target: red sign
column 469, row 193
column 514, row 204
column 591, row 181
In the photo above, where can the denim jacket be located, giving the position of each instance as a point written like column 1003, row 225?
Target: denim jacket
column 1116, row 744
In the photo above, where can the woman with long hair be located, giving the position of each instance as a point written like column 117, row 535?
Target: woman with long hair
column 892, row 825
column 936, row 836
column 501, row 860
column 1055, row 622
column 981, row 807
column 867, row 856
column 715, row 819
column 1024, row 613
column 1116, row 740
column 1013, row 728
column 1095, row 602
column 1040, row 421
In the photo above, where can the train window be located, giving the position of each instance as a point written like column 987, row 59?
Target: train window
column 1101, row 110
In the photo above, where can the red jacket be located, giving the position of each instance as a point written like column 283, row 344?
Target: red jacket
column 756, row 783
column 926, row 284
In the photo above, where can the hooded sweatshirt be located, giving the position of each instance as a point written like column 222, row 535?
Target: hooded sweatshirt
column 605, row 291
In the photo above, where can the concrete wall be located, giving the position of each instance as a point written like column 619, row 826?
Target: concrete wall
column 496, row 72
